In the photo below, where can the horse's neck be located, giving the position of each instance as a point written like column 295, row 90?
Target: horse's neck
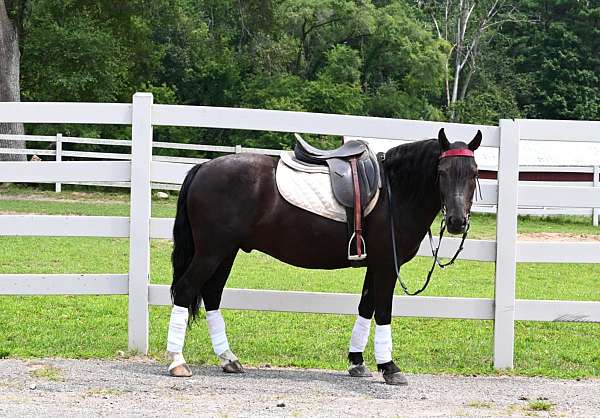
column 416, row 205
column 416, row 214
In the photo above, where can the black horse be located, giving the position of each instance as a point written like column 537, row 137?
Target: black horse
column 233, row 203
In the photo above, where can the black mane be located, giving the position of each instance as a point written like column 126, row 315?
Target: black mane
column 412, row 168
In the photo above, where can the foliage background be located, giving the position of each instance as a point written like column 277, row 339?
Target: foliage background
column 360, row 57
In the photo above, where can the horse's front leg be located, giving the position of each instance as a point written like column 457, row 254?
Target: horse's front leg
column 361, row 330
column 384, row 295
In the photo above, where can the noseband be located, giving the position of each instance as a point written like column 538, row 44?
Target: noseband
column 434, row 251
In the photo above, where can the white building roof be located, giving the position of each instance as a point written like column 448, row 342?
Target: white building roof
column 531, row 153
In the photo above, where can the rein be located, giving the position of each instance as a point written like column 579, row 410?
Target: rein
column 442, row 230
column 434, row 252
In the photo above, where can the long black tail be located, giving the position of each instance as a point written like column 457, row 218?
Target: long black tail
column 183, row 248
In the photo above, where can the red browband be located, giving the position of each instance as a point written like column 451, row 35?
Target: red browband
column 458, row 153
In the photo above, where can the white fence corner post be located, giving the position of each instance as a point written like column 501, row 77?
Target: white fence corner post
column 506, row 245
column 596, row 211
column 58, row 149
column 139, row 222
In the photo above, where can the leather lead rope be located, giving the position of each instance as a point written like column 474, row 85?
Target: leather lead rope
column 433, row 251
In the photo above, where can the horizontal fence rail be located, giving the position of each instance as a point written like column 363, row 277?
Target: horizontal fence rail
column 52, row 172
column 64, row 284
column 340, row 303
column 313, row 123
column 64, row 226
column 163, row 179
column 571, row 197
column 405, row 306
column 139, row 170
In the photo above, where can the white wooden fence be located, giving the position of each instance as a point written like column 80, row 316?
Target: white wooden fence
column 142, row 115
column 594, row 213
column 59, row 152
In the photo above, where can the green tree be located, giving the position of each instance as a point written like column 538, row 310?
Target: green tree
column 558, row 55
column 468, row 26
column 403, row 65
column 351, row 58
column 87, row 51
column 337, row 56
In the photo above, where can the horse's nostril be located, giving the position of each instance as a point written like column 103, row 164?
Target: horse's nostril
column 457, row 222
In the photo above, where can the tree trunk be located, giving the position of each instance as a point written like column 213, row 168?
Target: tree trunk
column 465, row 85
column 9, row 80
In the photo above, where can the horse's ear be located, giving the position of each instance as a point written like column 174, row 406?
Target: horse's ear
column 476, row 142
column 444, row 143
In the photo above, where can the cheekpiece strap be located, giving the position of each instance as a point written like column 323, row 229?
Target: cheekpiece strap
column 458, row 153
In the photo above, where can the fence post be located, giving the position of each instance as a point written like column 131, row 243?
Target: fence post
column 58, row 148
column 139, row 222
column 596, row 211
column 506, row 245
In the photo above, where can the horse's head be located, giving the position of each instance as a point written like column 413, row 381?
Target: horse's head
column 457, row 174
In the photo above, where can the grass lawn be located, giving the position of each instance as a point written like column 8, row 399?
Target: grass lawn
column 90, row 326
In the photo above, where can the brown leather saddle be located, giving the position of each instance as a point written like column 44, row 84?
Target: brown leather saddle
column 355, row 179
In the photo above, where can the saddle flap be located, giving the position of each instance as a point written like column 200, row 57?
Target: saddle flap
column 341, row 181
column 368, row 169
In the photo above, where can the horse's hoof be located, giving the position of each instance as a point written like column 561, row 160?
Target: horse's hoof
column 233, row 367
column 395, row 379
column 183, row 370
column 359, row 370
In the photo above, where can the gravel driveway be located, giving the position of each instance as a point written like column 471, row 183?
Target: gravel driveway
column 138, row 387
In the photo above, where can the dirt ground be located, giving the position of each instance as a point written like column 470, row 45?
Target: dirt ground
column 140, row 387
column 557, row 236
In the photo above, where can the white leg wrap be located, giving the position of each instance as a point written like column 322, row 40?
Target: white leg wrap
column 383, row 343
column 177, row 327
column 216, row 330
column 360, row 335
column 176, row 359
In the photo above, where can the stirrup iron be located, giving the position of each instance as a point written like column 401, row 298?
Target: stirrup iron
column 356, row 257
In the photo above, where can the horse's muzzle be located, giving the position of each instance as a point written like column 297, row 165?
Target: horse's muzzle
column 456, row 224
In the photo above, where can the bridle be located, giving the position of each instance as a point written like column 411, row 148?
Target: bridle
column 434, row 251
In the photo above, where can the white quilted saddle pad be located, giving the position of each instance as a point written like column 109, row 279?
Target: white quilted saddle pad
column 309, row 188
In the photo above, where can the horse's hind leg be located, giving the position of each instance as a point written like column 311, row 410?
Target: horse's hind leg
column 212, row 293
column 361, row 330
column 200, row 270
column 175, row 340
